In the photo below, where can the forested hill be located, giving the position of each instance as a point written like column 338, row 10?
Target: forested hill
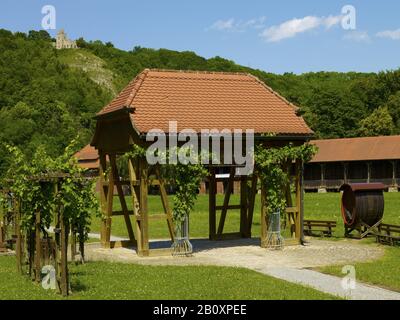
column 49, row 96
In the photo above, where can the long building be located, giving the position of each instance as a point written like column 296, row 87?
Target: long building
column 354, row 160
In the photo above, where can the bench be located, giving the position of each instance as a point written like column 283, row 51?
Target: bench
column 388, row 234
column 322, row 227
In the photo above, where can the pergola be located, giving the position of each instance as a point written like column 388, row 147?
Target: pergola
column 195, row 100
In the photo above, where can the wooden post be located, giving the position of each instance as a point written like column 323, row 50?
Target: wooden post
column 264, row 224
column 2, row 228
column 64, row 253
column 104, row 188
column 144, row 215
column 244, row 204
column 322, row 175
column 299, row 201
column 251, row 202
column 133, row 166
column 394, row 169
column 345, row 172
column 38, row 248
column 116, row 179
column 164, row 200
column 107, row 198
column 228, row 192
column 212, row 204
column 73, row 243
column 368, row 172
column 18, row 249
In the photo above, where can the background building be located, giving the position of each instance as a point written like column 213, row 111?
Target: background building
column 354, row 160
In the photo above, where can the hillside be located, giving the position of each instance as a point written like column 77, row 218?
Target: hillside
column 48, row 96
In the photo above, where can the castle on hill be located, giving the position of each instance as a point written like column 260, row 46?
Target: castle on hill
column 62, row 41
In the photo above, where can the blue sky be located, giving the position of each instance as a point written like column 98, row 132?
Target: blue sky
column 275, row 36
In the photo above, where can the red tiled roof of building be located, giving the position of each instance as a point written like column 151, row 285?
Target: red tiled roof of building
column 88, row 157
column 358, row 149
column 206, row 100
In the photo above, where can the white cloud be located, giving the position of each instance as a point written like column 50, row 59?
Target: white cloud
column 223, row 24
column 291, row 28
column 390, row 34
column 358, row 36
column 234, row 25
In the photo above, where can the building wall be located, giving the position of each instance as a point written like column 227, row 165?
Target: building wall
column 357, row 172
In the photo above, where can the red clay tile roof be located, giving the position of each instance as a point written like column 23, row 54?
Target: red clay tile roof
column 88, row 157
column 206, row 100
column 358, row 149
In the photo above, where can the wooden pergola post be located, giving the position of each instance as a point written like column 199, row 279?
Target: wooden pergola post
column 143, row 209
column 264, row 216
column 106, row 198
column 212, row 214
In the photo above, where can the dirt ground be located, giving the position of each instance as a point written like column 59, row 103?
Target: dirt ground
column 248, row 254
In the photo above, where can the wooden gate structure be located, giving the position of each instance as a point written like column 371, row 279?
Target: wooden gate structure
column 162, row 100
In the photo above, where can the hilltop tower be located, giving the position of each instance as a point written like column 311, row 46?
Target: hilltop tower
column 62, row 41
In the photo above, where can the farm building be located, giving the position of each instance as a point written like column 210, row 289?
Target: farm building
column 354, row 160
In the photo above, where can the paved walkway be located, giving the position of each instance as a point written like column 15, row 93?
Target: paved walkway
column 330, row 284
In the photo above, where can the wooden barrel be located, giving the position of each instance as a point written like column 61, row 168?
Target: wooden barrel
column 362, row 203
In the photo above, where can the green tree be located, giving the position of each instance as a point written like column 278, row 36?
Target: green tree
column 393, row 106
column 379, row 123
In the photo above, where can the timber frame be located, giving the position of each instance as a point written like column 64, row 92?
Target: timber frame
column 116, row 135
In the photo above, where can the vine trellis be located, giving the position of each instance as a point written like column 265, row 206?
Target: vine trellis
column 53, row 201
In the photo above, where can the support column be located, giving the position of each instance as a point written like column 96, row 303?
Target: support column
column 106, row 199
column 144, row 214
column 369, row 172
column 264, row 215
column 395, row 187
column 322, row 187
column 212, row 219
column 299, row 201
column 345, row 172
column 243, row 206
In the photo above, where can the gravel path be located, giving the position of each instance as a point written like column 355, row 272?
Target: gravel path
column 290, row 264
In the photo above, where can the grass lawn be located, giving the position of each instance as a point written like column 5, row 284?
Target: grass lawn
column 384, row 272
column 104, row 280
column 317, row 206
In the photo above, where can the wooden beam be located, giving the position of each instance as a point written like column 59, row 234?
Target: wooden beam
column 252, row 200
column 228, row 192
column 133, row 166
column 18, row 249
column 164, row 200
column 121, row 213
column 38, row 248
column 143, row 169
column 263, row 222
column 121, row 197
column 229, row 207
column 103, row 194
column 212, row 214
column 243, row 207
column 299, row 196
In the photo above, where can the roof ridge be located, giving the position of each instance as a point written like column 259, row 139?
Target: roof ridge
column 200, row 72
column 137, row 82
column 358, row 138
column 274, row 92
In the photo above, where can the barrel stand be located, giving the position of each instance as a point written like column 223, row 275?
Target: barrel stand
column 362, row 230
